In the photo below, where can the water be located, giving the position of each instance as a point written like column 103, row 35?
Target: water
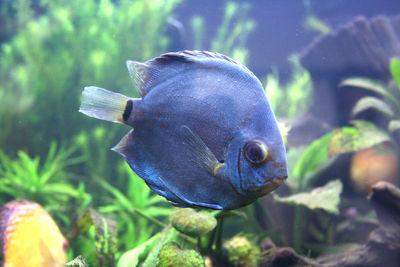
column 322, row 63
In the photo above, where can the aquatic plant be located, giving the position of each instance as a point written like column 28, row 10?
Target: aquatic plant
column 45, row 181
column 55, row 48
column 136, row 208
column 358, row 137
column 187, row 241
column 74, row 43
column 105, row 235
column 389, row 102
column 312, row 22
column 295, row 96
column 231, row 35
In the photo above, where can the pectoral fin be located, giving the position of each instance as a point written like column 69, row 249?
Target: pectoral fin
column 200, row 152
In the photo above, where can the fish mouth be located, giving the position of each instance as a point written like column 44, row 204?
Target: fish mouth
column 263, row 184
column 268, row 185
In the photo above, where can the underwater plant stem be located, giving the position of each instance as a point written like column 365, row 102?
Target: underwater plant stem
column 163, row 225
column 211, row 239
column 219, row 232
column 297, row 228
column 153, row 220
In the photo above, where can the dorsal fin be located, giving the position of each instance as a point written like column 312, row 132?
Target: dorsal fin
column 149, row 74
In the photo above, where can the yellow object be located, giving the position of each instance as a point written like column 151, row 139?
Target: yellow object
column 372, row 165
column 30, row 237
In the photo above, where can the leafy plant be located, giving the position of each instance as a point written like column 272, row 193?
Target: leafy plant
column 231, row 35
column 295, row 96
column 136, row 207
column 75, row 43
column 323, row 151
column 389, row 102
column 326, row 198
column 312, row 22
column 45, row 182
column 177, row 242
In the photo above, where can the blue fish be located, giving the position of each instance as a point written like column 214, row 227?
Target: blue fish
column 204, row 134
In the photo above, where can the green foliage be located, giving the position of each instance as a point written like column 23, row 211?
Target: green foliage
column 321, row 153
column 372, row 102
column 326, row 197
column 395, row 70
column 105, row 235
column 134, row 256
column 289, row 100
column 231, row 35
column 312, row 22
column 44, row 181
column 54, row 54
column 77, row 262
column 350, row 139
column 169, row 234
column 197, row 25
column 53, row 50
column 312, row 158
column 133, row 207
column 387, row 101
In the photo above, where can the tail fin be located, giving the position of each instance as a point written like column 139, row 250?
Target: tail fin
column 104, row 105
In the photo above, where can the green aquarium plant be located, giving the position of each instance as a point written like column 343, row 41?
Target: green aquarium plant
column 102, row 232
column 382, row 155
column 46, row 181
column 296, row 94
column 138, row 211
column 312, row 22
column 366, row 139
column 192, row 238
column 231, row 35
column 54, row 53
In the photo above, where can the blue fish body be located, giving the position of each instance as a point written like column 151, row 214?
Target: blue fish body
column 203, row 135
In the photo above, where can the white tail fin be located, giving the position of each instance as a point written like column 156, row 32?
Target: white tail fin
column 102, row 104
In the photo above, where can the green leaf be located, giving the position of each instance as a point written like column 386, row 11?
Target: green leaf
column 77, row 262
column 190, row 222
column 394, row 125
column 374, row 103
column 133, row 256
column 326, row 197
column 105, row 235
column 167, row 235
column 370, row 85
column 350, row 139
column 313, row 156
column 395, row 70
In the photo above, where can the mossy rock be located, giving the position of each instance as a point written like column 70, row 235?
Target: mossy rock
column 190, row 222
column 242, row 253
column 172, row 255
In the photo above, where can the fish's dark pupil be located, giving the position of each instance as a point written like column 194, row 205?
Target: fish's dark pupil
column 254, row 152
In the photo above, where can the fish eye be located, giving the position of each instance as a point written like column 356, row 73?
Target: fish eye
column 255, row 152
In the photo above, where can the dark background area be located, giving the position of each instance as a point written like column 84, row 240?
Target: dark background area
column 280, row 27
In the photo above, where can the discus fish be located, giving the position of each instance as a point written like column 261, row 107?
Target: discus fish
column 30, row 237
column 204, row 134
